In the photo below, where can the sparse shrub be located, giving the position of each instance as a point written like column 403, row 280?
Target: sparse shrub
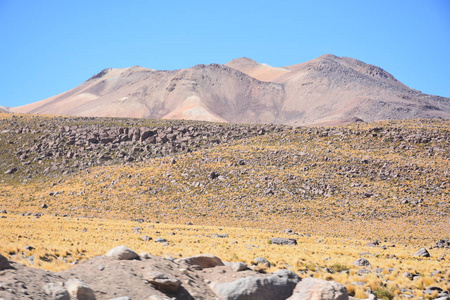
column 262, row 268
column 337, row 267
column 360, row 293
column 384, row 293
column 329, row 277
column 433, row 295
column 12, row 251
column 351, row 289
column 428, row 281
column 419, row 293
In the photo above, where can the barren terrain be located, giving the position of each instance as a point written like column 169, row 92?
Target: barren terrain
column 72, row 188
column 328, row 90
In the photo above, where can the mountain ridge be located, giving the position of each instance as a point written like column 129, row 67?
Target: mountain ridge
column 328, row 89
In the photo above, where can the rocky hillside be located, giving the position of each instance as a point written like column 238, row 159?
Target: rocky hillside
column 325, row 90
column 37, row 146
column 259, row 175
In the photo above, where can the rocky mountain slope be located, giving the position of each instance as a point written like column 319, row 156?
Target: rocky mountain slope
column 78, row 143
column 329, row 195
column 325, row 90
column 251, row 173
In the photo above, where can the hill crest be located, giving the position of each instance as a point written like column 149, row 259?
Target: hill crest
column 326, row 90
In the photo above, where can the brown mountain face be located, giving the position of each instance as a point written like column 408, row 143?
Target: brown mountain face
column 326, row 90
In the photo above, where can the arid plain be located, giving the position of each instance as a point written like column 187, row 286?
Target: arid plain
column 73, row 187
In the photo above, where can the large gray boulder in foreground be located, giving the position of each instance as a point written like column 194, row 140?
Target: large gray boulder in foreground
column 318, row 289
column 202, row 260
column 163, row 282
column 279, row 285
column 56, row 292
column 122, row 253
column 79, row 290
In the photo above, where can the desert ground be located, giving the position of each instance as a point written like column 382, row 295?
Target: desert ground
column 365, row 204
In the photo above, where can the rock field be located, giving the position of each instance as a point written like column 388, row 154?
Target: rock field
column 123, row 274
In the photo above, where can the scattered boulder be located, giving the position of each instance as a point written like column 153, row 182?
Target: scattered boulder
column 279, row 285
column 431, row 289
column 408, row 275
column 122, row 253
column 314, row 288
column 362, row 262
column 11, row 171
column 30, row 260
column 422, row 252
column 163, row 282
column 215, row 235
column 213, row 175
column 261, row 261
column 4, row 263
column 79, row 290
column 444, row 243
column 202, row 260
column 372, row 244
column 239, row 266
column 146, row 238
column 363, row 271
column 56, row 292
column 283, row 241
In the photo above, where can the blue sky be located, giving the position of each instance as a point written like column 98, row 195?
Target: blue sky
column 48, row 47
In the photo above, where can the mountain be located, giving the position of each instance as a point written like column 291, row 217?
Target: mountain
column 326, row 90
column 331, row 89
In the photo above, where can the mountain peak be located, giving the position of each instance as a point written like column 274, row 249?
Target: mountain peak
column 243, row 59
column 326, row 90
column 242, row 63
column 101, row 74
column 262, row 72
column 328, row 56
